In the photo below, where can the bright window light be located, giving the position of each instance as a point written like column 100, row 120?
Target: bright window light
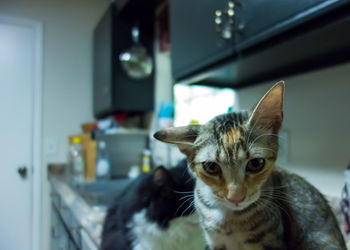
column 201, row 103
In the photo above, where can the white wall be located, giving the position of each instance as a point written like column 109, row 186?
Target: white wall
column 163, row 78
column 317, row 117
column 67, row 72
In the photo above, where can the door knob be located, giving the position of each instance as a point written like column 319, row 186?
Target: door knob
column 22, row 171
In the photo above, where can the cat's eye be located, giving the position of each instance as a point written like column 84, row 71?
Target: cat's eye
column 211, row 168
column 255, row 165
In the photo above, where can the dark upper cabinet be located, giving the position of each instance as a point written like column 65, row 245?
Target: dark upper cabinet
column 259, row 20
column 114, row 90
column 195, row 40
column 103, row 64
column 271, row 39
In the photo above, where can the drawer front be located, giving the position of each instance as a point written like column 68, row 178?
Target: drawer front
column 86, row 242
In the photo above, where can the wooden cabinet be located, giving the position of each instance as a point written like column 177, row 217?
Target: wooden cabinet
column 195, row 41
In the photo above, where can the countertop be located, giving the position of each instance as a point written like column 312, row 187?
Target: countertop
column 84, row 206
column 89, row 218
column 89, row 212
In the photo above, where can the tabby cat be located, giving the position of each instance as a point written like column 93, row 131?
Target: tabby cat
column 243, row 200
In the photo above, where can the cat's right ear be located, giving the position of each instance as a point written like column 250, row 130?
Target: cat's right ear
column 183, row 137
column 268, row 113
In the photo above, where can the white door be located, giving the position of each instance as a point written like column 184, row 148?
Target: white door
column 17, row 89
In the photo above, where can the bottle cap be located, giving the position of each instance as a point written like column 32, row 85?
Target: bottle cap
column 76, row 140
column 147, row 152
column 166, row 109
column 102, row 144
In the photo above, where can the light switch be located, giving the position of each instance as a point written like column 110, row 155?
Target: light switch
column 50, row 145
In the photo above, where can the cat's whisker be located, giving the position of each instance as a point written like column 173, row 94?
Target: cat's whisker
column 252, row 129
column 277, row 198
column 187, row 196
column 279, row 193
column 250, row 145
column 260, row 148
column 258, row 137
column 304, row 205
column 189, row 180
column 191, row 204
column 183, row 203
column 272, row 205
column 274, row 187
column 179, row 192
column 281, row 208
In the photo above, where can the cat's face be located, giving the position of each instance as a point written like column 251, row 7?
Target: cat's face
column 233, row 161
column 233, row 154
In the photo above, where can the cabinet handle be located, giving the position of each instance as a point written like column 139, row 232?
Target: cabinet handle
column 225, row 21
column 54, row 232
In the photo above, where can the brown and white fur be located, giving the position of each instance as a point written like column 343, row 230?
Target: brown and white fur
column 244, row 201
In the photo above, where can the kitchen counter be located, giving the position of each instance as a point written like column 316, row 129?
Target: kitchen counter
column 81, row 209
column 75, row 212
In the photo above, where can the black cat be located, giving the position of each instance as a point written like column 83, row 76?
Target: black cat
column 155, row 211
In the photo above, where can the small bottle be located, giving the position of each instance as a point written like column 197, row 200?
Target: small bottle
column 146, row 161
column 76, row 159
column 103, row 165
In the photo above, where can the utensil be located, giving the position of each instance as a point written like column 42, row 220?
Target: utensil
column 136, row 62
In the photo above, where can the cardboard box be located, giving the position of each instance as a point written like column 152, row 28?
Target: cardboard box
column 90, row 149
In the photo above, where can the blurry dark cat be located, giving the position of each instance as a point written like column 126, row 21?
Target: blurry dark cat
column 155, row 211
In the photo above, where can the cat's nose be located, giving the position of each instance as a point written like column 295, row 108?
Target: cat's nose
column 236, row 202
column 235, row 196
column 235, row 193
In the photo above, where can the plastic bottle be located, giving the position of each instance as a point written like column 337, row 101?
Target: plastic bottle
column 76, row 159
column 103, row 164
column 146, row 161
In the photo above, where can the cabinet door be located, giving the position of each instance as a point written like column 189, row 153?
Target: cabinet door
column 103, row 64
column 86, row 242
column 259, row 19
column 195, row 42
column 59, row 237
column 55, row 230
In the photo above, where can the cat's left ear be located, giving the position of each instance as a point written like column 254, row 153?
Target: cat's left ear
column 162, row 181
column 268, row 114
column 183, row 137
column 161, row 176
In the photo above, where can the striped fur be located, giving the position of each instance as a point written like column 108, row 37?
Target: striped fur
column 279, row 210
